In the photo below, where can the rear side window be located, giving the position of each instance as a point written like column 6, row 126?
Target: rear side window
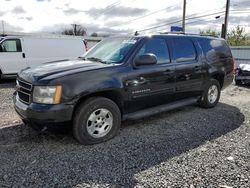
column 11, row 45
column 158, row 47
column 184, row 49
column 214, row 48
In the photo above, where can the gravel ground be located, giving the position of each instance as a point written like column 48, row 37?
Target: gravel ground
column 190, row 147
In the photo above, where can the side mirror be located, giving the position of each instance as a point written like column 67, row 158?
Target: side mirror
column 146, row 59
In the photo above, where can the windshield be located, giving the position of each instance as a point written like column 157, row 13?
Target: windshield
column 111, row 50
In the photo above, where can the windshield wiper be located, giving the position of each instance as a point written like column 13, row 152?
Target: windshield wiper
column 95, row 59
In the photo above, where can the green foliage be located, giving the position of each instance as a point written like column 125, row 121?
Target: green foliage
column 210, row 32
column 235, row 37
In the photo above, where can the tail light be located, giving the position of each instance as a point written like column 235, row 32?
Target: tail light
column 234, row 67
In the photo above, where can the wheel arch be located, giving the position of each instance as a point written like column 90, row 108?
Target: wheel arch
column 113, row 95
column 219, row 76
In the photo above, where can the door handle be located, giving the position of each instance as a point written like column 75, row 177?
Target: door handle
column 23, row 54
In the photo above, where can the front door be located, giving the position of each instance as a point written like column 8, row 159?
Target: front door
column 12, row 58
column 150, row 85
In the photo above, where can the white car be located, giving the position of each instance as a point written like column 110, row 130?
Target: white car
column 20, row 52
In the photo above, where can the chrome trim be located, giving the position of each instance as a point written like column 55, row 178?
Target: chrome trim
column 24, row 88
column 18, row 98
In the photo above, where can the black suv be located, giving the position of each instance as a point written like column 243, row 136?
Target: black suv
column 124, row 78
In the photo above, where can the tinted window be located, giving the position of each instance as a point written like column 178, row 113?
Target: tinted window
column 158, row 47
column 184, row 49
column 214, row 48
column 11, row 45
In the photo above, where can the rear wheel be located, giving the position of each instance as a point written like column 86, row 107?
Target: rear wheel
column 211, row 94
column 96, row 120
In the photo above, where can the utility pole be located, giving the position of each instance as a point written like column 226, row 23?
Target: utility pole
column 3, row 26
column 224, row 26
column 184, row 16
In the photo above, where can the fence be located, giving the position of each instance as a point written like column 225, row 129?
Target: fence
column 241, row 54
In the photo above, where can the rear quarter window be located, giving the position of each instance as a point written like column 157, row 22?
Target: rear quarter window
column 213, row 48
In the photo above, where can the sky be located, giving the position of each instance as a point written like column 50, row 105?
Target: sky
column 120, row 16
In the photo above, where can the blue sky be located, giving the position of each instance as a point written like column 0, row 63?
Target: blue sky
column 119, row 16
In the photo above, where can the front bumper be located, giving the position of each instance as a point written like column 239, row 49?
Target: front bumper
column 43, row 113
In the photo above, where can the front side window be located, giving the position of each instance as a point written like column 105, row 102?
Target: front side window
column 158, row 47
column 11, row 45
column 184, row 49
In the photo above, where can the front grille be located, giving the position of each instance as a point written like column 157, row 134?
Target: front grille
column 24, row 91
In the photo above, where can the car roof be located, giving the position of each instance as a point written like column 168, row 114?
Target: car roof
column 178, row 35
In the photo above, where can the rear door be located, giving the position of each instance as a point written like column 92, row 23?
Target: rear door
column 12, row 58
column 150, row 85
column 189, row 67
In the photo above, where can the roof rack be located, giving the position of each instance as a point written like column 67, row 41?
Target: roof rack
column 183, row 33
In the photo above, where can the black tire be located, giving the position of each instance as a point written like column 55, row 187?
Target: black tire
column 204, row 101
column 83, row 113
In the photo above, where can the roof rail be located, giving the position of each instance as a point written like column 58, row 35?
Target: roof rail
column 183, row 33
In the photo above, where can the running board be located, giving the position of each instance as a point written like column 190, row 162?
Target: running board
column 158, row 109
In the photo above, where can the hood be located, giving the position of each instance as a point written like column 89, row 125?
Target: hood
column 59, row 69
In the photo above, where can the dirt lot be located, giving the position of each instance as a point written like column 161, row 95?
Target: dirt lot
column 190, row 147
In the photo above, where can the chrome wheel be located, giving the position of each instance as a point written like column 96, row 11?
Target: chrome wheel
column 213, row 94
column 99, row 123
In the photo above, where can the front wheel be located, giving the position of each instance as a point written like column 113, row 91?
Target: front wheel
column 96, row 120
column 211, row 94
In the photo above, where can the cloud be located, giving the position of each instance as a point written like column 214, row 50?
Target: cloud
column 43, row 0
column 71, row 11
column 238, row 19
column 28, row 18
column 118, row 11
column 115, row 22
column 240, row 4
column 18, row 10
column 58, row 28
column 2, row 13
column 9, row 28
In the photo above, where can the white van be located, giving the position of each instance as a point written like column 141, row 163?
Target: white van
column 19, row 52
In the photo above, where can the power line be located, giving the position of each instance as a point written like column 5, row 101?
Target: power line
column 197, row 21
column 177, row 21
column 108, row 8
column 189, row 18
column 195, row 14
column 190, row 23
column 152, row 13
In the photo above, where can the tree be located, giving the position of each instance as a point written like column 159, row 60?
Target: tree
column 238, row 37
column 94, row 35
column 77, row 30
column 210, row 32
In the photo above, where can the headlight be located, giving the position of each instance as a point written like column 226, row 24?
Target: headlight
column 47, row 94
